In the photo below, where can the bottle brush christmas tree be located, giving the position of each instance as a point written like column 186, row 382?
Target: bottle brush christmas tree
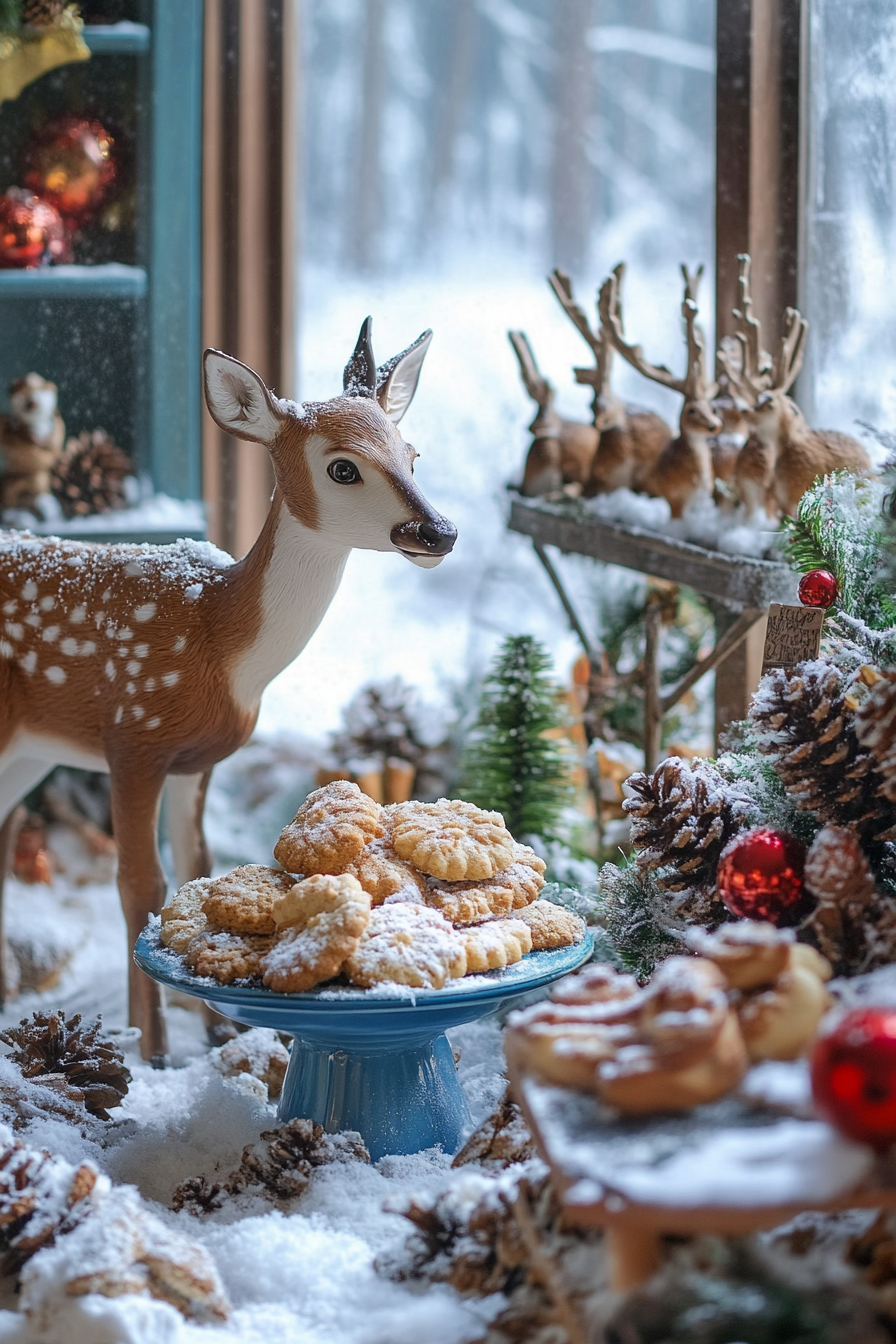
column 510, row 765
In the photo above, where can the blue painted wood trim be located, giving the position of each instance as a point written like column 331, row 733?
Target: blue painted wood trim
column 112, row 281
column 117, row 39
column 174, row 248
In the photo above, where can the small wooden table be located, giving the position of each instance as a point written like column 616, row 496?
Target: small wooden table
column 738, row 1166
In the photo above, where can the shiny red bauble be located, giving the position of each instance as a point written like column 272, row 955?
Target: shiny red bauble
column 70, row 164
column 760, row 876
column 31, row 232
column 854, row 1076
column 818, row 588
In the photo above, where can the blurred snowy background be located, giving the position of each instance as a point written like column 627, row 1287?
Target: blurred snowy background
column 455, row 152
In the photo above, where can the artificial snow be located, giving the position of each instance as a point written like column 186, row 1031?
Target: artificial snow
column 302, row 1273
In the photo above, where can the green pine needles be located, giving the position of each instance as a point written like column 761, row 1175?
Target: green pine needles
column 509, row 765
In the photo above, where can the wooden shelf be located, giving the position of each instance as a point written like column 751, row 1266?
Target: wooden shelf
column 117, row 39
column 112, row 281
column 738, row 581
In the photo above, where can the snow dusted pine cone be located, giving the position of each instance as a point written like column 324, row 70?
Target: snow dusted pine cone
column 89, row 476
column 807, row 719
column 854, row 923
column 88, row 1062
column 683, row 816
column 876, row 727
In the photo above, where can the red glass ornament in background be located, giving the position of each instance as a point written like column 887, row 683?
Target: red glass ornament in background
column 31, row 232
column 854, row 1076
column 818, row 588
column 760, row 876
column 70, row 164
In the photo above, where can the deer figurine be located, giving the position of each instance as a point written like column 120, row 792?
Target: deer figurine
column 561, row 451
column 782, row 456
column 149, row 662
column 631, row 439
column 31, row 442
column 683, row 471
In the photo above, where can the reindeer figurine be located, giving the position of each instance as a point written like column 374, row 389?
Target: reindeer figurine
column 631, row 438
column 149, row 662
column 782, row 456
column 561, row 451
column 684, row 470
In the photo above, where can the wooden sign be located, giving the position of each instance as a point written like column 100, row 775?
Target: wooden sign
column 793, row 635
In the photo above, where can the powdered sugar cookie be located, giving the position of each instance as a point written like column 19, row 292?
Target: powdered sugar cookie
column 502, row 942
column 452, row 840
column 321, row 921
column 183, row 917
column 329, row 830
column 408, row 945
column 383, row 874
column 227, row 956
column 467, row 902
column 551, row 925
column 243, row 901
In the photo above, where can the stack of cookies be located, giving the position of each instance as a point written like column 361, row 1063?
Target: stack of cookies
column 414, row 893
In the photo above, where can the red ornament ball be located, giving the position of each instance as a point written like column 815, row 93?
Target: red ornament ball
column 760, row 876
column 854, row 1076
column 70, row 164
column 818, row 588
column 31, row 232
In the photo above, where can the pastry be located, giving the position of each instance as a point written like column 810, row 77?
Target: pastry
column 595, row 983
column 183, row 917
column 746, row 951
column 551, row 926
column 451, row 840
column 383, row 874
column 329, row 830
column 408, row 945
column 227, row 956
column 242, row 901
column 468, row 902
column 498, row 943
column 320, row 922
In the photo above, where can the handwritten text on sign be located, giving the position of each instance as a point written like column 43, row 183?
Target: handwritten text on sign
column 793, row 635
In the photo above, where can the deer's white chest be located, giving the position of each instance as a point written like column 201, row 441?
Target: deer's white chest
column 298, row 585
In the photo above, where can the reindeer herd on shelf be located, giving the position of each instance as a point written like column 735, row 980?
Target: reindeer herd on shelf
column 741, row 439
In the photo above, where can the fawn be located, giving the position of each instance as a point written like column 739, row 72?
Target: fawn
column 149, row 661
column 561, row 450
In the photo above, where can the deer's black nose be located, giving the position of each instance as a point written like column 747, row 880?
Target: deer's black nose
column 438, row 535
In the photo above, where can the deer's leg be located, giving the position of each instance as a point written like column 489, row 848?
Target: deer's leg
column 141, row 884
column 184, row 805
column 18, row 777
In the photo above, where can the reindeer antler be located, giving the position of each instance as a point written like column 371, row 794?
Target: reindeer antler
column 539, row 389
column 693, row 386
column 746, row 365
column 599, row 341
column 789, row 359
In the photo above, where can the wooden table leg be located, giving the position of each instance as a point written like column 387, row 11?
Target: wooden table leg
column 635, row 1254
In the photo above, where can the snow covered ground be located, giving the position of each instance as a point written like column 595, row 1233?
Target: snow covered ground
column 304, row 1276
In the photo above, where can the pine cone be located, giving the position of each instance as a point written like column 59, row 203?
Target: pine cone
column 806, row 718
column 876, row 728
column 500, row 1141
column 89, row 476
column 682, row 818
column 42, row 13
column 40, row 1197
column 285, row 1158
column 87, row 1061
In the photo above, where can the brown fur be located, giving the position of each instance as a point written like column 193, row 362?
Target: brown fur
column 783, row 457
column 627, row 451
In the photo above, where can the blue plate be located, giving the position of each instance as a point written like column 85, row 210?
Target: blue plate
column 376, row 1061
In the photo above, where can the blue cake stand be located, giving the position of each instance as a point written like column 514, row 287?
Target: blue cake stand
column 370, row 1060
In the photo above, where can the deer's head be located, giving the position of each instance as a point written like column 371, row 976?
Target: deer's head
column 342, row 468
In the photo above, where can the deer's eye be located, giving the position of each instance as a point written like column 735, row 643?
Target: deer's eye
column 343, row 472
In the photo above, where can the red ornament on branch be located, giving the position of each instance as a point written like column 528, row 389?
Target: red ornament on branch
column 70, row 164
column 31, row 232
column 854, row 1076
column 818, row 588
column 760, row 876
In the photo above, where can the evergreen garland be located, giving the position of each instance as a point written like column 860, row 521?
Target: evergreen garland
column 509, row 765
column 10, row 16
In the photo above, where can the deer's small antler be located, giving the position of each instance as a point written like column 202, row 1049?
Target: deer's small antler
column 599, row 341
column 789, row 358
column 538, row 387
column 694, row 386
column 747, row 366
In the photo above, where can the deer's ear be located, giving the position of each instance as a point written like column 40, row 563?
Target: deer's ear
column 396, row 380
column 237, row 399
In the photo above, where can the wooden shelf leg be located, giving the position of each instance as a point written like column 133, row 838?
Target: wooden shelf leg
column 635, row 1254
column 653, row 714
column 737, row 676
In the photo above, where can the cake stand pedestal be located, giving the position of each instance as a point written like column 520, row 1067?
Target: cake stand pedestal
column 368, row 1060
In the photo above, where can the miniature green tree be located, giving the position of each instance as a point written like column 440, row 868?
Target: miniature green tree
column 509, row 765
